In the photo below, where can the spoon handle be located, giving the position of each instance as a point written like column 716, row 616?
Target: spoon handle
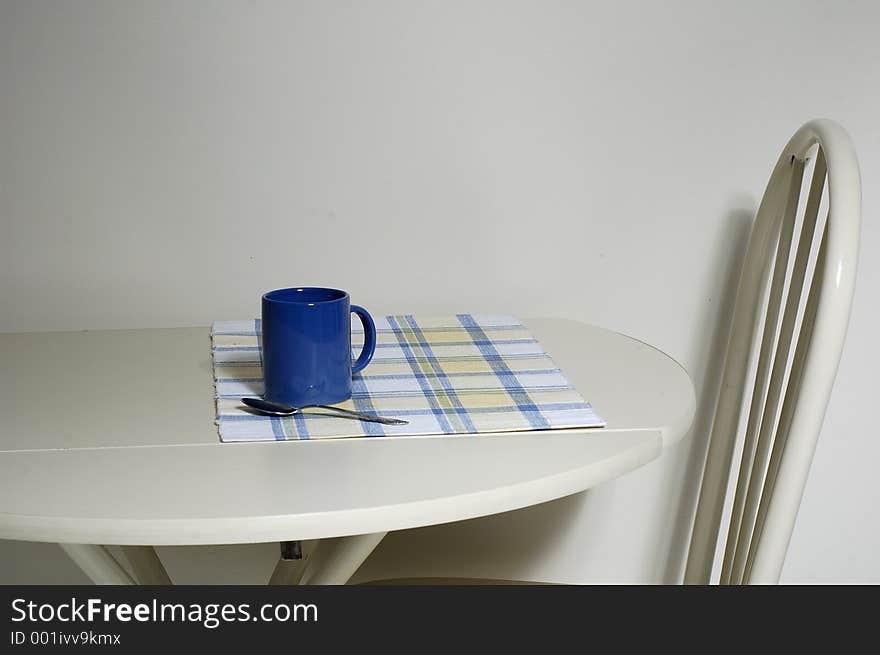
column 277, row 409
column 363, row 417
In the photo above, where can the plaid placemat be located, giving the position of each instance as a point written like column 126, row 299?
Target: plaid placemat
column 460, row 374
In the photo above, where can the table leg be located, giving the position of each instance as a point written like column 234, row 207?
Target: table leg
column 146, row 565
column 97, row 563
column 288, row 571
column 335, row 560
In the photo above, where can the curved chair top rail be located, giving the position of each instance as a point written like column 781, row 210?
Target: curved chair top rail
column 810, row 267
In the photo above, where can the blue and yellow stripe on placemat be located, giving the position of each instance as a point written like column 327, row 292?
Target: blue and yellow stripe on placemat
column 462, row 374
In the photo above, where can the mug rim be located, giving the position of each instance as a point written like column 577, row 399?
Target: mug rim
column 274, row 296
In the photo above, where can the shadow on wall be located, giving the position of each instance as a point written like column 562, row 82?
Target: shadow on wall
column 32, row 563
column 730, row 253
column 489, row 548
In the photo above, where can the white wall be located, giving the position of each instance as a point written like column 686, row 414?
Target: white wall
column 162, row 163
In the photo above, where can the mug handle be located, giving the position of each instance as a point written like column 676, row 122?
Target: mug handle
column 369, row 338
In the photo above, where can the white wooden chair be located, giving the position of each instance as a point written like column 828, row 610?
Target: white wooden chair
column 789, row 325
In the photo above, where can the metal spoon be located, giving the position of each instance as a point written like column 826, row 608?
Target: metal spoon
column 277, row 409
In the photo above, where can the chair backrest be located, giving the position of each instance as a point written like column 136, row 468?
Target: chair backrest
column 788, row 328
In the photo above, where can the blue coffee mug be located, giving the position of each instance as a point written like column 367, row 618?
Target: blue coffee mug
column 307, row 345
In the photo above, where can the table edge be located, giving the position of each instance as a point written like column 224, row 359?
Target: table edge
column 646, row 446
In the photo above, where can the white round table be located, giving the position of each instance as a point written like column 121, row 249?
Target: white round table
column 108, row 437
